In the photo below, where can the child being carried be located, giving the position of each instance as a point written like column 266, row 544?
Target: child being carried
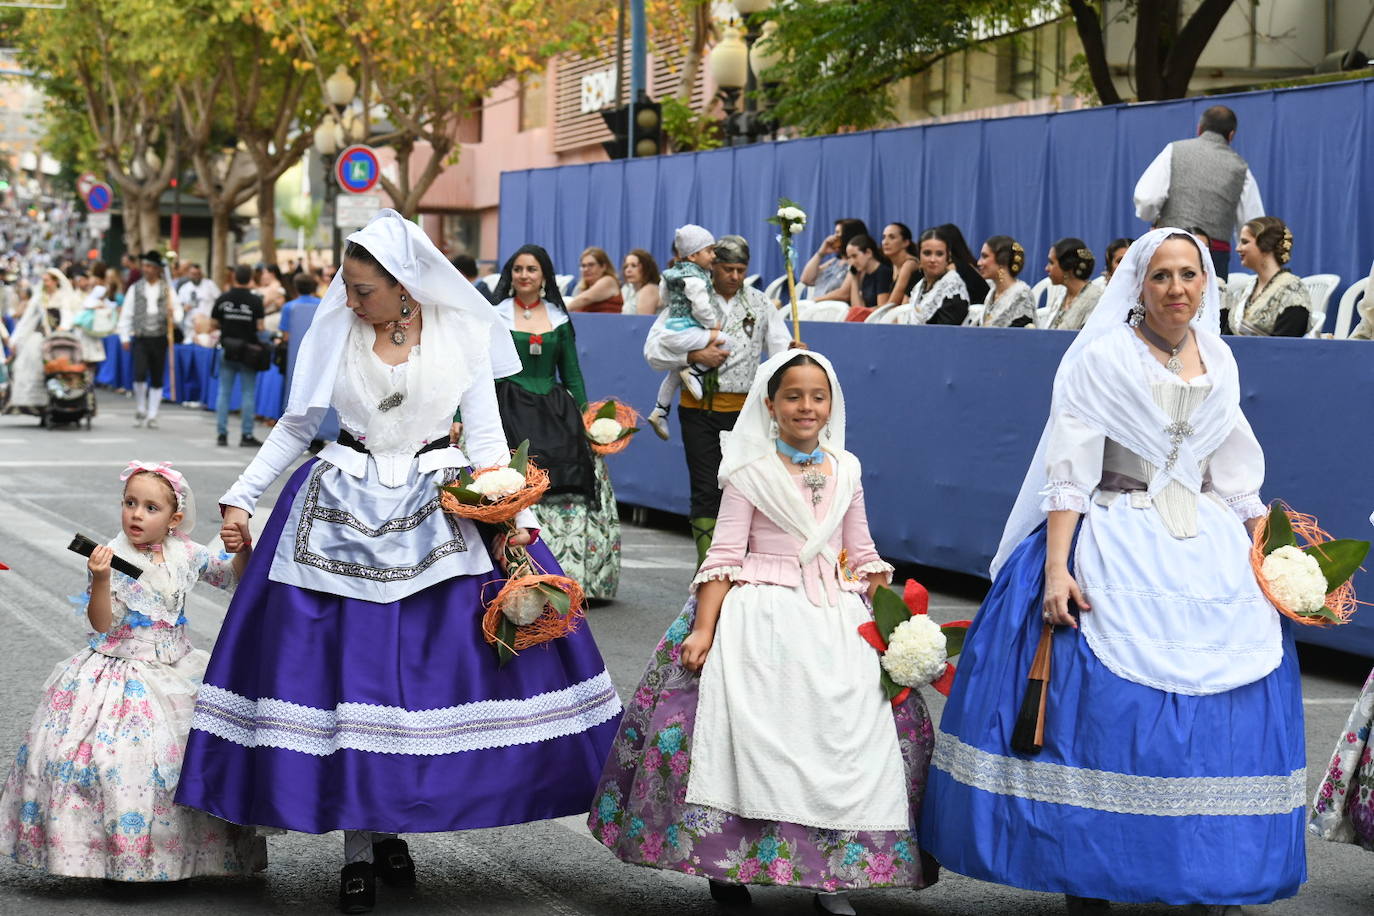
column 692, row 321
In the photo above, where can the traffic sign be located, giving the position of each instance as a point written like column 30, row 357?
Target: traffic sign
column 357, row 169
column 85, row 181
column 99, row 222
column 99, row 197
column 356, row 211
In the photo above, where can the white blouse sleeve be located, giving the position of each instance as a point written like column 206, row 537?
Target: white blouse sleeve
column 485, row 437
column 1152, row 190
column 1073, row 464
column 1237, row 471
column 287, row 441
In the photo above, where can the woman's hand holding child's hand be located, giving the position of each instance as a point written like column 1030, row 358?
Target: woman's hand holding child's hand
column 234, row 532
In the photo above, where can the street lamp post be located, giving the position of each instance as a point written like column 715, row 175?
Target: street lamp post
column 331, row 137
column 736, row 65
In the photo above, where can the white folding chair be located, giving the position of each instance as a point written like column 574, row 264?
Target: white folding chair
column 1319, row 290
column 1345, row 310
column 1042, row 312
column 490, row 281
column 975, row 316
column 751, row 280
column 877, row 315
column 1237, row 288
column 828, row 311
column 899, row 315
column 774, row 290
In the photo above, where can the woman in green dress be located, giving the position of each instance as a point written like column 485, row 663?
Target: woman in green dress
column 544, row 404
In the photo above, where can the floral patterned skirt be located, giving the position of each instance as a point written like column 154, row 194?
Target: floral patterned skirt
column 90, row 793
column 1343, row 810
column 583, row 536
column 641, row 814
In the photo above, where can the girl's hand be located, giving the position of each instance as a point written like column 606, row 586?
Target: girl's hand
column 523, row 537
column 1060, row 589
column 234, row 531
column 695, row 649
column 99, row 563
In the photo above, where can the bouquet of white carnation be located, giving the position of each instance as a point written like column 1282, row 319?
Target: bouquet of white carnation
column 1296, row 579
column 610, row 425
column 915, row 653
column 498, row 483
column 1307, row 580
column 604, row 431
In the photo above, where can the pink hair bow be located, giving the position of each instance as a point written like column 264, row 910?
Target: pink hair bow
column 163, row 469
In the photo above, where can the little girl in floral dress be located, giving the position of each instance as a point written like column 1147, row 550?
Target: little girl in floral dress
column 782, row 763
column 90, row 793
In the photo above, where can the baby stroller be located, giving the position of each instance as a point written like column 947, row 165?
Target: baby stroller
column 71, row 394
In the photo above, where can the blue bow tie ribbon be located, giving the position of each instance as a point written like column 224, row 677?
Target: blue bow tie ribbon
column 799, row 457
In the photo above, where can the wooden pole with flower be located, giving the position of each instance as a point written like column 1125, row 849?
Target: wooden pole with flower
column 532, row 606
column 790, row 219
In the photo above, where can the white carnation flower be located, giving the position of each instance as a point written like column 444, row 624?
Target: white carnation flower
column 1295, row 579
column 498, row 483
column 915, row 653
column 605, row 431
column 525, row 607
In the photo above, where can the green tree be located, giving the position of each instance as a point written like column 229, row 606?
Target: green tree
column 841, row 60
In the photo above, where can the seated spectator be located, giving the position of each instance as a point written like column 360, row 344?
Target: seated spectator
column 964, row 261
column 870, row 277
column 640, row 289
column 1070, row 265
column 829, row 279
column 1010, row 303
column 901, row 253
column 1274, row 303
column 1116, row 250
column 598, row 290
column 466, row 265
column 941, row 296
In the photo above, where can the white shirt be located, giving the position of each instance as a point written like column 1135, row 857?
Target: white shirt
column 199, row 298
column 1152, row 190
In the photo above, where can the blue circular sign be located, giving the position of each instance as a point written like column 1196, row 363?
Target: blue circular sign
column 357, row 169
column 99, row 197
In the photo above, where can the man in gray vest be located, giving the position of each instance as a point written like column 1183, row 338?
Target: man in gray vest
column 144, row 328
column 1202, row 184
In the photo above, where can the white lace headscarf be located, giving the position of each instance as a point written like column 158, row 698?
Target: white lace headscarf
column 1128, row 401
column 432, row 283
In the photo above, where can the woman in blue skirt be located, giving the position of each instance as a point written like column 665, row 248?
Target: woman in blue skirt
column 1172, row 759
column 351, row 688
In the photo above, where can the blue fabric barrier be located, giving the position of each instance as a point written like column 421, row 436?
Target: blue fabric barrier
column 1036, row 178
column 946, row 419
column 197, row 377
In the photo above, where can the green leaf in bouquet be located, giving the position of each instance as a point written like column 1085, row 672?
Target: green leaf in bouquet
column 1338, row 559
column 505, row 636
column 1279, row 530
column 1326, row 614
column 889, row 610
column 465, row 479
column 464, row 495
column 520, row 461
column 627, row 432
column 890, row 687
column 607, row 411
column 954, row 640
column 555, row 597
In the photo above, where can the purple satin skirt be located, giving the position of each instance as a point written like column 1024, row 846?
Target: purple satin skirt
column 323, row 713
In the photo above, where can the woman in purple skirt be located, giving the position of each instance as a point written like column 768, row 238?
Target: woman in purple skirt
column 351, row 688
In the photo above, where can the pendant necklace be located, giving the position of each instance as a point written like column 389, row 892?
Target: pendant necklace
column 1174, row 364
column 526, row 308
column 398, row 330
column 811, row 474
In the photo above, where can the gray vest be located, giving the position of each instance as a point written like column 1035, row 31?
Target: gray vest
column 150, row 318
column 1206, row 178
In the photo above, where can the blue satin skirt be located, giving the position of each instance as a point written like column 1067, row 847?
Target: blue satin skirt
column 323, row 713
column 1138, row 795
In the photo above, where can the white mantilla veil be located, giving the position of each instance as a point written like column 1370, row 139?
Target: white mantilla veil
column 433, row 283
column 749, row 462
column 1130, row 401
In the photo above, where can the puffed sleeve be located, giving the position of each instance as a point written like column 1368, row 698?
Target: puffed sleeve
column 725, row 559
column 1073, row 464
column 1237, row 471
column 484, row 437
column 858, row 541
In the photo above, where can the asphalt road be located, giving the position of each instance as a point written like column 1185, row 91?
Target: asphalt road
column 53, row 483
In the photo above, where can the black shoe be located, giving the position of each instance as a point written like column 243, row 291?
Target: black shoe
column 727, row 894
column 392, row 862
column 222, row 439
column 357, row 888
column 247, row 441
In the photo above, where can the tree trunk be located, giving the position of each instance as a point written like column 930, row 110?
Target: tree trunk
column 1089, row 28
column 267, row 221
column 219, row 240
column 150, row 224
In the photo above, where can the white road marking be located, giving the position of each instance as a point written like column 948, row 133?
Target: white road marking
column 1329, row 701
column 633, row 563
column 194, row 463
column 16, row 595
